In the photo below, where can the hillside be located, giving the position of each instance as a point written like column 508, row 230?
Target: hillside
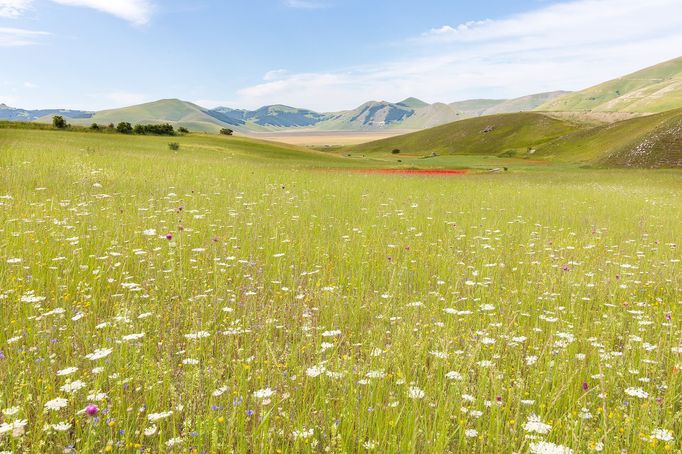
column 173, row 111
column 492, row 135
column 524, row 103
column 651, row 90
column 371, row 115
column 651, row 141
column 268, row 117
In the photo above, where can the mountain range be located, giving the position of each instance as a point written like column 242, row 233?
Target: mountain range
column 409, row 114
column 652, row 90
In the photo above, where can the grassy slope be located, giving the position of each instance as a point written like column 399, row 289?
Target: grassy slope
column 173, row 111
column 651, row 141
column 511, row 132
column 523, row 104
column 654, row 89
column 197, row 147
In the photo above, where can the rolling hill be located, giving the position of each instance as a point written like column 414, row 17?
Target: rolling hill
column 173, row 111
column 491, row 135
column 653, row 141
column 651, row 90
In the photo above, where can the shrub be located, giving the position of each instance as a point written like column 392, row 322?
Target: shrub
column 124, row 128
column 396, row 151
column 226, row 131
column 174, row 146
column 182, row 130
column 95, row 127
column 155, row 130
column 59, row 122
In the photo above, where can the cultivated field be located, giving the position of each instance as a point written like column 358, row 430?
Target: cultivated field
column 234, row 296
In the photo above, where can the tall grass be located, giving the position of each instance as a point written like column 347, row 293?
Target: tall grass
column 207, row 301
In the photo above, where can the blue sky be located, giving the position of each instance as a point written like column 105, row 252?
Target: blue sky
column 320, row 54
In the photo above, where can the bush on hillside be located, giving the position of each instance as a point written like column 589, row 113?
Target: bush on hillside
column 59, row 122
column 182, row 130
column 174, row 146
column 124, row 128
column 226, row 131
column 95, row 127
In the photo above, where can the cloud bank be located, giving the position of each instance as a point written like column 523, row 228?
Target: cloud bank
column 569, row 45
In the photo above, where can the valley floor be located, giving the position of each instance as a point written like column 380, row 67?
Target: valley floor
column 327, row 138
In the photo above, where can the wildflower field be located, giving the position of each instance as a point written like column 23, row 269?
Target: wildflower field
column 222, row 300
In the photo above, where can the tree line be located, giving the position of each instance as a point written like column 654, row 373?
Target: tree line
column 125, row 127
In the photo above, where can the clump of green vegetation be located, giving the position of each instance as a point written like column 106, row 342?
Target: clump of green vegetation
column 226, row 131
column 124, row 128
column 59, row 122
column 155, row 130
column 174, row 146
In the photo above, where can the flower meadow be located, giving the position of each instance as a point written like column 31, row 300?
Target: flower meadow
column 208, row 302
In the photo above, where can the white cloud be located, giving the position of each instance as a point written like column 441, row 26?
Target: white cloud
column 569, row 45
column 137, row 12
column 14, row 8
column 15, row 37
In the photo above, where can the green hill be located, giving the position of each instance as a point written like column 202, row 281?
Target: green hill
column 651, row 90
column 491, row 135
column 652, row 141
column 173, row 111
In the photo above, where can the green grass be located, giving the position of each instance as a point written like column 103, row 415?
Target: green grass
column 654, row 89
column 651, row 141
column 510, row 133
column 387, row 312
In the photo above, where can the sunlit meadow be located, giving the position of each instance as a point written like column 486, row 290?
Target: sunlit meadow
column 153, row 301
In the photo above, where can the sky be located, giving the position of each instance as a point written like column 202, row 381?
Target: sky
column 325, row 55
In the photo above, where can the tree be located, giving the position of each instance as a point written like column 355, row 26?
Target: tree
column 226, row 131
column 59, row 122
column 124, row 128
column 183, row 130
column 95, row 127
